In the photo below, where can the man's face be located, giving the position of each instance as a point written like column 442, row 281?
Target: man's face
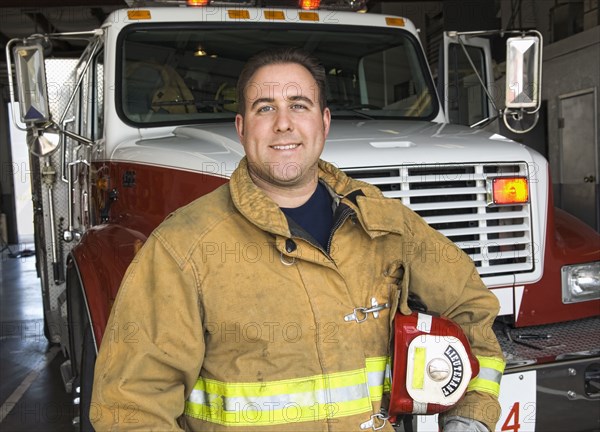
column 283, row 129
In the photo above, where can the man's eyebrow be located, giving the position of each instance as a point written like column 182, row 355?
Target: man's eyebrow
column 301, row 99
column 261, row 100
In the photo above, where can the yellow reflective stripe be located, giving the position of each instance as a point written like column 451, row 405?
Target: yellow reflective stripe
column 290, row 413
column 273, row 388
column 490, row 374
column 377, row 368
column 491, row 363
column 387, row 381
column 301, row 399
column 419, row 368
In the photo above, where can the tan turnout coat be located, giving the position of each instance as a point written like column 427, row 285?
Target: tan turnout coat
column 226, row 290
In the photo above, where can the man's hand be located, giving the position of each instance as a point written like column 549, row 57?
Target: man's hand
column 462, row 424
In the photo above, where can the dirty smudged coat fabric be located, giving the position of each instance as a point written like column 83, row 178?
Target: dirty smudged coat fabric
column 239, row 321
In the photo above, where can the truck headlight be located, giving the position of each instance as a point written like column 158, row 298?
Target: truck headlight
column 580, row 282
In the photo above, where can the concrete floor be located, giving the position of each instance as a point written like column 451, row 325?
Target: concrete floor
column 32, row 395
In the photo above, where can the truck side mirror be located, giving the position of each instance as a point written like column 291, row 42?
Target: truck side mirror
column 31, row 79
column 523, row 82
column 523, row 72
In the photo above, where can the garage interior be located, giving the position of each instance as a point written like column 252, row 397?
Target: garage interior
column 32, row 396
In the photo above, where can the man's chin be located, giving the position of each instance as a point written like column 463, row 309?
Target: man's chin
column 283, row 178
column 285, row 182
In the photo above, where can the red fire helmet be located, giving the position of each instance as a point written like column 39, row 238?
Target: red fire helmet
column 432, row 364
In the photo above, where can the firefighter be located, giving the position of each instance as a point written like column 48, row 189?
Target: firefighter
column 267, row 304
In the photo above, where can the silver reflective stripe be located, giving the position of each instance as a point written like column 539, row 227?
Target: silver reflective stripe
column 269, row 403
column 490, row 375
column 419, row 407
column 376, row 378
column 424, row 322
column 200, row 397
column 388, row 371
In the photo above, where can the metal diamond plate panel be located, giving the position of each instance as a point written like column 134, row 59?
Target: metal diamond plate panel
column 550, row 342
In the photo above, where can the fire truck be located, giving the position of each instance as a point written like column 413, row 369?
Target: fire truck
column 143, row 123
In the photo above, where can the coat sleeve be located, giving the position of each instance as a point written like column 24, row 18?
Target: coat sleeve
column 447, row 281
column 153, row 346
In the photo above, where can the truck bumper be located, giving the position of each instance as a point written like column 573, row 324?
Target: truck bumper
column 553, row 374
column 567, row 397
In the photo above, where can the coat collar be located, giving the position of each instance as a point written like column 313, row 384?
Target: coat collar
column 254, row 204
column 377, row 214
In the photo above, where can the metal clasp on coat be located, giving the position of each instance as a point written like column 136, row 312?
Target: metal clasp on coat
column 370, row 424
column 284, row 261
column 361, row 314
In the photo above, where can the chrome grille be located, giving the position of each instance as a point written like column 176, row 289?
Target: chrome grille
column 452, row 199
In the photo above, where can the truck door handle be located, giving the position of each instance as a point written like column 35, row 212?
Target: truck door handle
column 589, row 179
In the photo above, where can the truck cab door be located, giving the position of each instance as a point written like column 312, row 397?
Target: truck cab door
column 464, row 98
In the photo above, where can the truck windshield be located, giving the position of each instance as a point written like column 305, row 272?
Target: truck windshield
column 189, row 74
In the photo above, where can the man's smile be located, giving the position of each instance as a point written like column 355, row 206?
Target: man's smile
column 285, row 146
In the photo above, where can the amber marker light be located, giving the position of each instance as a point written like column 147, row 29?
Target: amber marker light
column 310, row 4
column 308, row 16
column 102, row 183
column 195, row 3
column 394, row 21
column 138, row 14
column 509, row 190
column 274, row 15
column 240, row 14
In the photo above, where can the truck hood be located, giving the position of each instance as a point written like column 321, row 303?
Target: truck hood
column 375, row 143
column 350, row 144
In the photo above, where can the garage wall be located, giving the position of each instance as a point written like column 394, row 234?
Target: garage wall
column 571, row 66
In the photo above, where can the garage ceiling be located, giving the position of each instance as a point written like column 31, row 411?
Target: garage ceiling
column 22, row 18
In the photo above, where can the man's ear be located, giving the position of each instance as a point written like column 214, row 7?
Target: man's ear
column 326, row 120
column 239, row 126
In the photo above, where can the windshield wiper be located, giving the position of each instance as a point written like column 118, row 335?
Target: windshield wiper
column 199, row 104
column 356, row 109
column 484, row 122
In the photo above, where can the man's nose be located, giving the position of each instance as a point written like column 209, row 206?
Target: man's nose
column 283, row 121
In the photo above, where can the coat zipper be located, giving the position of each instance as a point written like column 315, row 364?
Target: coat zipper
column 346, row 212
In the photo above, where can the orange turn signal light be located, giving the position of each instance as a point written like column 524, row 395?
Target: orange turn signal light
column 509, row 190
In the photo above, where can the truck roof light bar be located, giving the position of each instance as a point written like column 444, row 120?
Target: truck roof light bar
column 310, row 4
column 226, row 3
column 349, row 5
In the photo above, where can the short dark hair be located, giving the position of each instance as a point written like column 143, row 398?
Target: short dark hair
column 281, row 56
